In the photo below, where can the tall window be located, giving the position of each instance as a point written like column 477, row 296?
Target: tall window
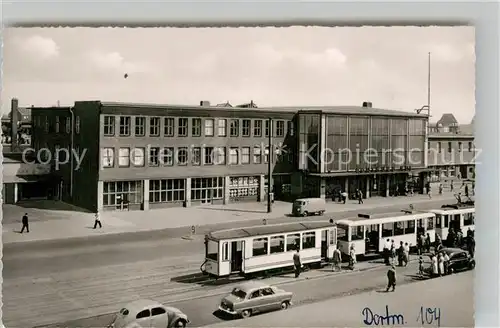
column 168, row 130
column 182, row 156
column 137, row 157
column 207, row 189
column 57, row 124
column 234, row 156
column 154, row 156
column 130, row 191
column 308, row 240
column 168, row 156
column 209, row 127
column 140, row 126
column 107, row 157
column 77, row 124
column 399, row 139
column 109, row 126
column 417, row 131
column 124, row 157
column 358, row 141
column 196, row 156
column 68, row 125
column 245, row 155
column 439, row 147
column 460, row 146
column 260, row 246
column 234, row 128
column 280, row 128
column 449, row 147
column 154, row 126
column 336, row 141
column 469, row 148
column 182, row 129
column 266, row 154
column 196, row 127
column 290, row 128
column 220, row 156
column 208, row 155
column 379, row 156
column 165, row 191
column 245, row 128
column 124, row 126
column 257, row 155
column 222, row 128
column 266, row 128
column 257, row 128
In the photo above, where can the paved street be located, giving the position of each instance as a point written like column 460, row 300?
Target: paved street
column 452, row 295
column 202, row 311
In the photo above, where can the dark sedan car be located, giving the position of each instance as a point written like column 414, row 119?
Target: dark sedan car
column 460, row 260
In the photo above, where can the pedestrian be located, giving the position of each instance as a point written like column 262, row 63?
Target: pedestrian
column 406, row 254
column 420, row 266
column 428, row 243
column 360, row 196
column 466, row 190
column 391, row 277
column 451, row 186
column 393, row 251
column 441, row 264
column 471, row 246
column 423, row 245
column 344, row 196
column 97, row 221
column 440, row 188
column 296, row 263
column 387, row 251
column 352, row 257
column 401, row 254
column 25, row 223
column 446, row 263
column 337, row 260
column 434, row 265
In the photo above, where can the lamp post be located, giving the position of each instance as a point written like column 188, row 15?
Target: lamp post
column 270, row 167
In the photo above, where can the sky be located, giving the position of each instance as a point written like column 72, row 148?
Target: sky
column 295, row 66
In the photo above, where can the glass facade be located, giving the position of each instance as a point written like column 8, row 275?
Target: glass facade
column 309, row 128
column 166, row 191
column 243, row 187
column 358, row 141
column 399, row 140
column 336, row 143
column 128, row 191
column 207, row 189
column 380, row 155
column 417, row 143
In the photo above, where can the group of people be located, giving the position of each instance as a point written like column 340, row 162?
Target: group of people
column 439, row 264
column 402, row 253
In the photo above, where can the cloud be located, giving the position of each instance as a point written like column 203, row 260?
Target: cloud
column 115, row 61
column 39, row 47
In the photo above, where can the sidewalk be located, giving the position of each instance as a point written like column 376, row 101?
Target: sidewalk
column 71, row 224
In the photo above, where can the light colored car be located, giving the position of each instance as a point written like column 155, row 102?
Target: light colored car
column 148, row 314
column 254, row 297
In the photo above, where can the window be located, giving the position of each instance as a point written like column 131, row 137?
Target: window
column 167, row 191
column 308, row 240
column 182, row 129
column 277, row 244
column 209, row 127
column 222, row 128
column 245, row 128
column 225, row 251
column 196, row 156
column 399, row 228
column 117, row 191
column 220, row 156
column 158, row 311
column 256, row 294
column 438, row 221
column 409, row 227
column 357, row 233
column 267, row 291
column 168, row 129
column 257, row 155
column 124, row 126
column 182, row 156
column 469, row 148
column 290, row 128
column 430, row 224
column 109, row 126
column 239, row 293
column 234, row 128
column 292, row 242
column 196, row 127
column 208, row 155
column 154, row 126
column 137, row 156
column 68, row 126
column 260, row 246
column 212, row 251
column 207, row 189
column 57, row 124
column 168, row 156
column 143, row 314
column 245, row 155
column 234, row 156
column 154, row 156
column 439, row 147
column 124, row 157
column 77, row 124
column 280, row 128
column 266, row 128
column 449, row 147
column 108, row 156
column 387, row 229
column 266, row 155
column 257, row 128
column 140, row 126
column 460, row 146
column 468, row 219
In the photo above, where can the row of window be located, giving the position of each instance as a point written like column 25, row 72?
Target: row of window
column 180, row 127
column 181, row 156
column 446, row 221
column 61, row 124
column 283, row 243
column 470, row 146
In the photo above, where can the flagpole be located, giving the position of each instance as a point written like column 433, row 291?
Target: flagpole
column 429, row 86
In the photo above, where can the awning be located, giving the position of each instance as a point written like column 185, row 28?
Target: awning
column 25, row 178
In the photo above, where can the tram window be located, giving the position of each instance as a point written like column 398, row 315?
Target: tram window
column 332, row 237
column 409, row 227
column 445, row 221
column 468, row 219
column 225, row 252
column 438, row 221
column 277, row 244
column 212, row 250
column 342, row 233
column 399, row 228
column 430, row 223
column 357, row 233
column 292, row 242
column 308, row 240
column 387, row 230
column 260, row 246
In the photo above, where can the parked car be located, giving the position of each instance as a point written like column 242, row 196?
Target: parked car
column 254, row 297
column 308, row 206
column 149, row 314
column 460, row 260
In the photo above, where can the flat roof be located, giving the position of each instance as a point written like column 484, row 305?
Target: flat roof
column 385, row 218
column 356, row 110
column 269, row 229
column 450, row 135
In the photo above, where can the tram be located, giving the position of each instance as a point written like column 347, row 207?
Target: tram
column 460, row 216
column 368, row 233
column 258, row 249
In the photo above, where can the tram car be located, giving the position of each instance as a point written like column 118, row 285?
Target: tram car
column 460, row 216
column 256, row 250
column 368, row 233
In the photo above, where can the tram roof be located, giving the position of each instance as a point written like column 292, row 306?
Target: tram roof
column 384, row 218
column 269, row 229
column 452, row 209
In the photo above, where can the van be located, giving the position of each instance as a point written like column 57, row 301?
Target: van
column 309, row 206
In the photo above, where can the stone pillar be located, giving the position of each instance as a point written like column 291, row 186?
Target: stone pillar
column 387, row 185
column 187, row 192
column 145, row 195
column 322, row 188
column 346, row 186
column 16, row 193
column 262, row 190
column 100, row 192
column 226, row 190
column 367, row 187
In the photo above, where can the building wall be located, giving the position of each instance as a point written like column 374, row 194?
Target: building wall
column 451, row 156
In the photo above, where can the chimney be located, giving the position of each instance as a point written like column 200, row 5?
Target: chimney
column 205, row 103
column 14, row 118
column 367, row 104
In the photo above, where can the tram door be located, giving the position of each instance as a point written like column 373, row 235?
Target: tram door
column 324, row 243
column 372, row 238
column 237, row 248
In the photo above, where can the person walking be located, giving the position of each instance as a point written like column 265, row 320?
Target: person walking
column 391, row 277
column 406, row 254
column 337, row 260
column 420, row 266
column 352, row 257
column 428, row 243
column 401, row 254
column 360, row 196
column 25, row 222
column 440, row 188
column 344, row 197
column 451, row 186
column 434, row 265
column 441, row 264
column 296, row 263
column 97, row 221
column 446, row 263
column 387, row 251
column 393, row 251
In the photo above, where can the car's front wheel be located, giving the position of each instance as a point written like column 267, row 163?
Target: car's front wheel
column 284, row 305
column 180, row 323
column 472, row 265
column 246, row 313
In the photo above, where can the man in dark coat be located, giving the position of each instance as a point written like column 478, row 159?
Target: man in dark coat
column 25, row 223
column 296, row 263
column 391, row 277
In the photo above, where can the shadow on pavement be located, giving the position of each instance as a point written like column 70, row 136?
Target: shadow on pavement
column 51, row 205
column 233, row 210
